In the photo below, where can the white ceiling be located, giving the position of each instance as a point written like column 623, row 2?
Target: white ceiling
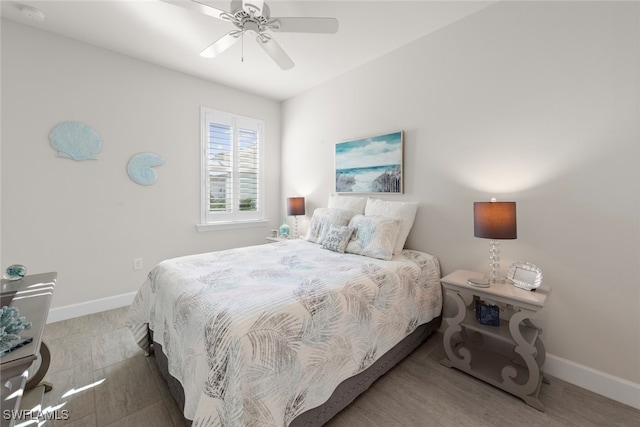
column 172, row 36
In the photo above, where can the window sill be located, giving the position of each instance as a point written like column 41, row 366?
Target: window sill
column 228, row 225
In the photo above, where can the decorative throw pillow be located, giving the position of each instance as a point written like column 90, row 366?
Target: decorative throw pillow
column 404, row 212
column 322, row 219
column 374, row 236
column 337, row 238
column 356, row 204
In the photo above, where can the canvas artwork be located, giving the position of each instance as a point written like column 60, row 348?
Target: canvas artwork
column 370, row 165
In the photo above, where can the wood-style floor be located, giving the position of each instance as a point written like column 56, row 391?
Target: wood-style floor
column 101, row 378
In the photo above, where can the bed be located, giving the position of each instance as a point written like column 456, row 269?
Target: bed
column 282, row 334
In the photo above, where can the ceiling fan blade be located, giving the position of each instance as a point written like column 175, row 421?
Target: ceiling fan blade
column 220, row 45
column 276, row 53
column 305, row 25
column 198, row 7
column 255, row 5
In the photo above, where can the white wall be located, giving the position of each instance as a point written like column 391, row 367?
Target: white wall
column 529, row 102
column 536, row 103
column 87, row 220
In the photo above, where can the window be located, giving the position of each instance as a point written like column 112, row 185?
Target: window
column 232, row 172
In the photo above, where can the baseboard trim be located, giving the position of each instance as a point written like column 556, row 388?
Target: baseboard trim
column 616, row 388
column 89, row 307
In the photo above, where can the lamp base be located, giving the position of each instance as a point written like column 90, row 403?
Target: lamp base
column 494, row 262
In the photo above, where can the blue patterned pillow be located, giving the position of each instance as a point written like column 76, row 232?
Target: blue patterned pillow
column 337, row 238
column 322, row 220
column 374, row 236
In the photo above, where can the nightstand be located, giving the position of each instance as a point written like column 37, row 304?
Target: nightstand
column 509, row 356
column 276, row 239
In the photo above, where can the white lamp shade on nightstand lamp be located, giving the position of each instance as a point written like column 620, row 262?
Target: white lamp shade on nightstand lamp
column 496, row 221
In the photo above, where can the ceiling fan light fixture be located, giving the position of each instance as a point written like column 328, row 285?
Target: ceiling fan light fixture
column 251, row 28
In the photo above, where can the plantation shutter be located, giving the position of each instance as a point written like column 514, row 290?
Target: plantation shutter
column 220, row 165
column 233, row 167
column 248, row 169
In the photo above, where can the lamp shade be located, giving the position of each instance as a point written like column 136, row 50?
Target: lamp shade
column 495, row 220
column 295, row 206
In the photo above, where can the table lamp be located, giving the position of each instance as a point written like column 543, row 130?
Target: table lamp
column 295, row 207
column 496, row 221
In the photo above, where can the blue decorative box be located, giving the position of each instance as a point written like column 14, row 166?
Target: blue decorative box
column 487, row 314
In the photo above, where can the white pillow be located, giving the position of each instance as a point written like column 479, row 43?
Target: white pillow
column 405, row 212
column 350, row 203
column 373, row 236
column 322, row 220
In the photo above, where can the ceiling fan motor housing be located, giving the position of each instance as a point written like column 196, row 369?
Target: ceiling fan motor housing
column 249, row 19
column 250, row 12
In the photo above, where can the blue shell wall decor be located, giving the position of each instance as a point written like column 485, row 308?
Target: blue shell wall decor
column 140, row 168
column 75, row 140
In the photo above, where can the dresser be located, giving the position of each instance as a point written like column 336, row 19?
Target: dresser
column 31, row 295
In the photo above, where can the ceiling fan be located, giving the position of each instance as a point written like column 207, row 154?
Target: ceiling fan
column 254, row 17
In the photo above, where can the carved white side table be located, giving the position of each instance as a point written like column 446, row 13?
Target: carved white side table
column 509, row 356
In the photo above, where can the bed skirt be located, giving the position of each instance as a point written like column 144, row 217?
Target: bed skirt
column 343, row 395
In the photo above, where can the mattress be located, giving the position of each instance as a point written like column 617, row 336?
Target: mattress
column 343, row 395
column 264, row 334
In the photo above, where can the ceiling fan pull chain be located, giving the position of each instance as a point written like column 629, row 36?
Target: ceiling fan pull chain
column 242, row 48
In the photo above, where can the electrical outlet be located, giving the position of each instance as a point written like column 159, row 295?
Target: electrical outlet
column 137, row 264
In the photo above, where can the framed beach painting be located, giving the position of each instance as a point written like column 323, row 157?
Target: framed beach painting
column 370, row 165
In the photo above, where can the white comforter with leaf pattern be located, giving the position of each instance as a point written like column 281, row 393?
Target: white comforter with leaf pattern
column 258, row 335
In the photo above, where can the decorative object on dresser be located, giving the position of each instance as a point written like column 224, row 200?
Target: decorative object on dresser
column 482, row 282
column 15, row 272
column 11, row 326
column 295, row 207
column 496, row 221
column 370, row 165
column 525, row 275
column 487, row 313
column 509, row 355
column 284, row 230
